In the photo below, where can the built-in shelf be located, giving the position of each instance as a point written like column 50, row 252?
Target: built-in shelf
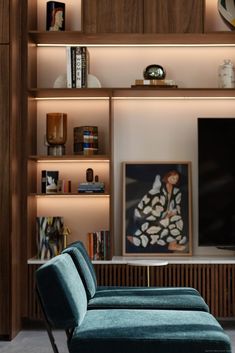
column 72, row 194
column 77, row 37
column 132, row 92
column 171, row 260
column 47, row 93
column 71, row 158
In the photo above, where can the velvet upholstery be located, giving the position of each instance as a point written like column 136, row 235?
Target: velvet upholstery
column 80, row 246
column 152, row 298
column 149, row 331
column 121, row 330
column 62, row 292
column 83, row 270
column 132, row 297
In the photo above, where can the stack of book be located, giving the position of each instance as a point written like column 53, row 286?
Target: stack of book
column 154, row 83
column 91, row 187
column 99, row 245
column 86, row 140
column 77, row 67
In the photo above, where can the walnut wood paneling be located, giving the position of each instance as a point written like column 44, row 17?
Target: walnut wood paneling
column 4, row 192
column 16, row 164
column 112, row 16
column 174, row 16
column 215, row 282
column 4, row 21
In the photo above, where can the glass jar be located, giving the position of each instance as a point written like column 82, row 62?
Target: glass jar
column 226, row 76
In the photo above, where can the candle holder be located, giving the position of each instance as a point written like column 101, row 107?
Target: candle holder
column 56, row 133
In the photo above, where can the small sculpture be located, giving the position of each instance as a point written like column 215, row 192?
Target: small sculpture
column 226, row 9
column 154, row 72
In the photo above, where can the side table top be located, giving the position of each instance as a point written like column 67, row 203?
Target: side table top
column 147, row 262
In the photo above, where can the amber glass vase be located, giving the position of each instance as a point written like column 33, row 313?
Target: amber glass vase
column 56, row 133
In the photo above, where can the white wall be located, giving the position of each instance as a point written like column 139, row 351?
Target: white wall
column 161, row 130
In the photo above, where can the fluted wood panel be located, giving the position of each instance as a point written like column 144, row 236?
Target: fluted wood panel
column 4, row 191
column 4, row 21
column 174, row 16
column 112, row 16
column 216, row 283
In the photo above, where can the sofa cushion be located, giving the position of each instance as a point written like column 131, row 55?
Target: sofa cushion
column 149, row 331
column 148, row 298
column 61, row 291
column 79, row 245
column 83, row 270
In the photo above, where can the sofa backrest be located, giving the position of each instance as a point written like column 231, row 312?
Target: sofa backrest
column 83, row 270
column 61, row 292
column 80, row 246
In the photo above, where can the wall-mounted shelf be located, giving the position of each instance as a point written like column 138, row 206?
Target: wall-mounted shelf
column 71, row 194
column 71, row 158
column 131, row 92
column 77, row 37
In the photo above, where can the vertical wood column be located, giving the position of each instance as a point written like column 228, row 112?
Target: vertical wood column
column 4, row 192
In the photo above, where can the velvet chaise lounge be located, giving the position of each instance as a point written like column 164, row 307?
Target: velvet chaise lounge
column 176, row 298
column 64, row 302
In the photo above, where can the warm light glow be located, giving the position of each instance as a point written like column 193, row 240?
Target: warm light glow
column 72, row 195
column 219, row 45
column 73, row 161
column 174, row 98
column 70, row 98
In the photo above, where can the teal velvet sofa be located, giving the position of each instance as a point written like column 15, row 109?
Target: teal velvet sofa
column 64, row 302
column 131, row 297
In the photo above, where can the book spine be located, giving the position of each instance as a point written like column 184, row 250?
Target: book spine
column 69, row 76
column 73, row 66
column 90, row 246
column 78, row 67
column 44, row 181
column 84, row 67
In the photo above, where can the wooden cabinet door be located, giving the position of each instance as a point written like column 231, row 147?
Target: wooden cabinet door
column 4, row 21
column 174, row 16
column 4, row 193
column 112, row 16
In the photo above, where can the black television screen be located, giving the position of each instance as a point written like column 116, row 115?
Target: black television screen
column 216, row 165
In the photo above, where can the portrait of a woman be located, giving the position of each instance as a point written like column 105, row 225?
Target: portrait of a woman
column 157, row 217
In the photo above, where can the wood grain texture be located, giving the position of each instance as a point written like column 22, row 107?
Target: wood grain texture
column 4, row 21
column 112, row 16
column 16, row 164
column 174, row 16
column 4, row 192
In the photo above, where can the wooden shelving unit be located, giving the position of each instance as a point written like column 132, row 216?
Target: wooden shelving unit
column 112, row 274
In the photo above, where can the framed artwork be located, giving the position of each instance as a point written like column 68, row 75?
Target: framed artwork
column 50, row 237
column 157, row 208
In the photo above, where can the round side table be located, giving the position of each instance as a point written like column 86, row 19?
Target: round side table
column 147, row 264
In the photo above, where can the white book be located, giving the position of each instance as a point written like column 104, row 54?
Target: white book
column 69, row 73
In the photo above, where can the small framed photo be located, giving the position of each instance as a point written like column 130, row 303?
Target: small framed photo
column 157, row 210
column 55, row 16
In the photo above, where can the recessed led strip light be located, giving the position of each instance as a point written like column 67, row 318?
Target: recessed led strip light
column 78, row 195
column 100, row 160
column 69, row 98
column 219, row 45
column 174, row 98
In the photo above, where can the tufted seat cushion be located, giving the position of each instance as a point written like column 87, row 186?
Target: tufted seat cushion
column 148, row 331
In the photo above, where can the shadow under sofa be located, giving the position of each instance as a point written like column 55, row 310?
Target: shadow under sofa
column 64, row 302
